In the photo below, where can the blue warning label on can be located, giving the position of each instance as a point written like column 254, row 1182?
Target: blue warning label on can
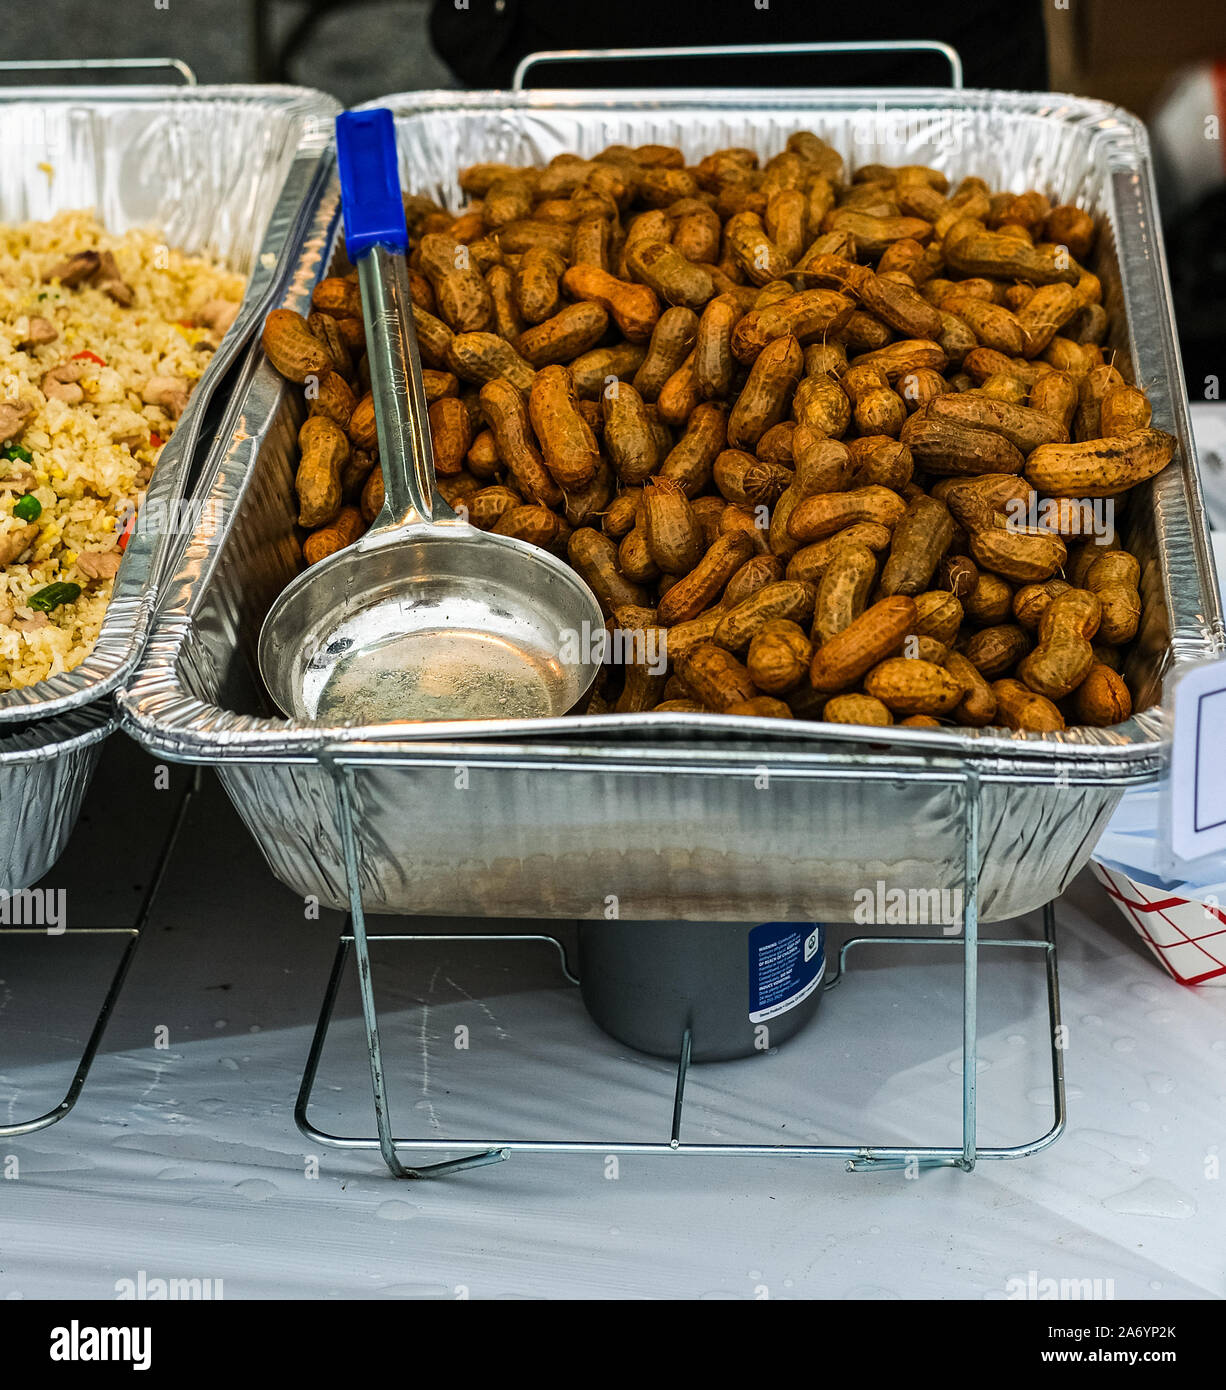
column 786, row 963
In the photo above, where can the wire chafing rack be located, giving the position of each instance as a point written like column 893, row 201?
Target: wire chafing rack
column 356, row 940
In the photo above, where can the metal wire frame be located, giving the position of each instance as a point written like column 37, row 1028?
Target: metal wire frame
column 100, row 65
column 739, row 50
column 858, row 1157
column 133, row 933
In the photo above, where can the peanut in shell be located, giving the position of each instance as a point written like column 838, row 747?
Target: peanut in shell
column 875, row 635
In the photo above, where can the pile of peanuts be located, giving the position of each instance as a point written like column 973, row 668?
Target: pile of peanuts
column 842, row 442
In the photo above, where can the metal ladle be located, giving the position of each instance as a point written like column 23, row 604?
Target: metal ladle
column 425, row 617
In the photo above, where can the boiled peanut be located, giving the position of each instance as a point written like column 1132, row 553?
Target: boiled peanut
column 948, row 447
column 822, row 465
column 671, row 529
column 872, row 637
column 325, row 450
column 332, row 398
column 713, row 361
column 716, row 677
column 692, row 459
column 937, row 615
column 990, row 602
column 327, row 540
column 570, row 450
column 292, row 348
column 507, row 416
column 908, row 685
column 817, row 517
column 634, row 559
column 1023, row 426
column 1113, row 578
column 749, row 481
column 1102, row 699
column 753, row 575
column 767, row 392
column 1032, row 601
column 595, row 557
column 761, row 707
column 537, row 284
column 857, row 709
column 462, row 295
column 451, row 433
column 971, row 249
column 1021, row 708
column 779, row 656
column 628, row 436
column 843, row 591
column 484, row 357
column 634, row 308
column 899, row 305
column 807, row 316
column 1092, row 389
column 1100, row 467
column 676, row 280
column 585, row 506
column 1063, row 656
column 876, row 408
column 821, row 405
column 535, row 524
column 978, row 704
column 812, row 561
column 678, row 398
column 569, row 333
column 1122, row 410
column 789, row 598
column 705, row 582
column 491, row 504
column 994, row 650
column 672, row 340
column 920, row 539
column 595, row 372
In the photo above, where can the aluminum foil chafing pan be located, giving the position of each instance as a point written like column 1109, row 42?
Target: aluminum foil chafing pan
column 45, row 769
column 222, row 171
column 679, row 816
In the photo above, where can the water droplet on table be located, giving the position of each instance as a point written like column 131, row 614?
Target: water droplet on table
column 396, row 1210
column 255, row 1189
column 1153, row 1197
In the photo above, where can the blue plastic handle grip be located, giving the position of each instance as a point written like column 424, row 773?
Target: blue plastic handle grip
column 370, row 182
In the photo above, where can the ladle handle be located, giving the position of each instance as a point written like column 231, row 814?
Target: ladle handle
column 376, row 240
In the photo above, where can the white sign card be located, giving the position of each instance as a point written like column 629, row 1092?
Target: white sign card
column 1198, row 763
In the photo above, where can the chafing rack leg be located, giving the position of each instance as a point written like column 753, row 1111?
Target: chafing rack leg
column 133, row 933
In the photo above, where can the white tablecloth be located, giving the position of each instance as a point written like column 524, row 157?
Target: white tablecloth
column 183, row 1161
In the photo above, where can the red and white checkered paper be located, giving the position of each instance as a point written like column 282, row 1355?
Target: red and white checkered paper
column 1187, row 935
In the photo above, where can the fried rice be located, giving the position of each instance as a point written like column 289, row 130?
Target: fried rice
column 102, row 339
